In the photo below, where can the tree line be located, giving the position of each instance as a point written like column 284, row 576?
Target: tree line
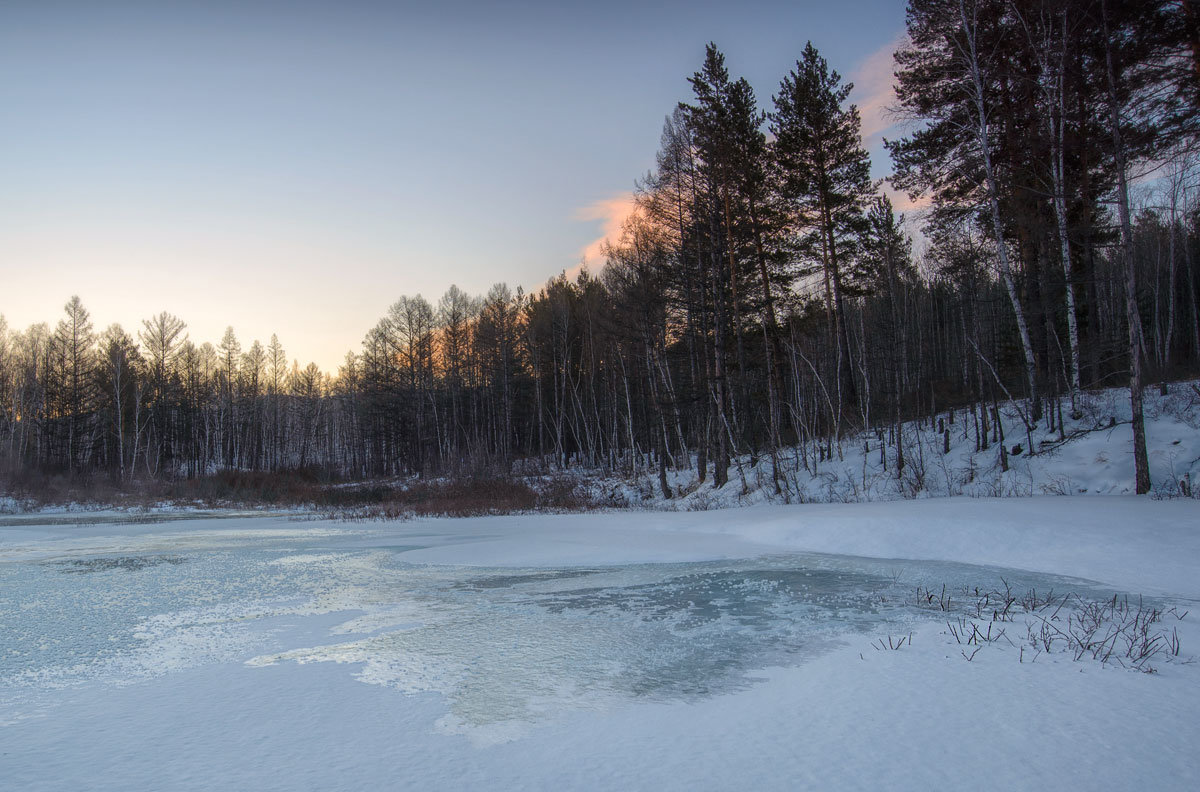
column 763, row 301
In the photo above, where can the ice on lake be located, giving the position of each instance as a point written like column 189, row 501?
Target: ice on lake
column 504, row 646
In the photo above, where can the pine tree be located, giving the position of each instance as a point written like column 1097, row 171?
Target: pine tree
column 276, row 384
column 75, row 345
column 825, row 177
column 230, row 351
column 162, row 337
column 724, row 126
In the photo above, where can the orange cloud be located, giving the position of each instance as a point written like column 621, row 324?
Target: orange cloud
column 611, row 213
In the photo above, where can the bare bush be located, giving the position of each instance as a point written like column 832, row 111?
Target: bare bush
column 1129, row 633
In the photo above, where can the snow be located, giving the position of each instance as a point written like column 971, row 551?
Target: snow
column 658, row 650
column 1091, row 455
column 1133, row 543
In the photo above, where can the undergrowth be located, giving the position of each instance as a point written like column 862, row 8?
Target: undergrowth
column 313, row 490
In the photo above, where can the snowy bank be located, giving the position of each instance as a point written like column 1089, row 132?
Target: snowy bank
column 957, row 453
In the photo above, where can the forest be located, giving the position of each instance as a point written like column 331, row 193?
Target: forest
column 765, row 299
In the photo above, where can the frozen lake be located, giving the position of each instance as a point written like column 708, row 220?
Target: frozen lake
column 112, row 635
column 501, row 644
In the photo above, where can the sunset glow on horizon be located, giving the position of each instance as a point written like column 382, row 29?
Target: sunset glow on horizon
column 296, row 168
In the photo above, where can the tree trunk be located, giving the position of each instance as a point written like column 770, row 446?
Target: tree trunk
column 1133, row 319
column 993, row 195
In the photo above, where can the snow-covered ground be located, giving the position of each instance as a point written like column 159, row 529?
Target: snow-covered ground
column 1092, row 454
column 731, row 649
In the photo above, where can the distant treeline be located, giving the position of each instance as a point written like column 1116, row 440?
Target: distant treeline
column 763, row 296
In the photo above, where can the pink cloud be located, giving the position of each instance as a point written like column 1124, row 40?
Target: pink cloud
column 905, row 205
column 874, row 91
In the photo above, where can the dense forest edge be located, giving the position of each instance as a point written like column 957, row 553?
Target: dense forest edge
column 765, row 308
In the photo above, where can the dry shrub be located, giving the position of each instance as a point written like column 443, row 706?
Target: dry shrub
column 242, row 487
column 461, row 496
column 36, row 488
column 224, row 488
column 477, row 497
column 465, row 497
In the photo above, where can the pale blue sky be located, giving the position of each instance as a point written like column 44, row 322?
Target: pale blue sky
column 295, row 167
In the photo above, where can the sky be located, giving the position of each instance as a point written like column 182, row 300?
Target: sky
column 296, row 167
